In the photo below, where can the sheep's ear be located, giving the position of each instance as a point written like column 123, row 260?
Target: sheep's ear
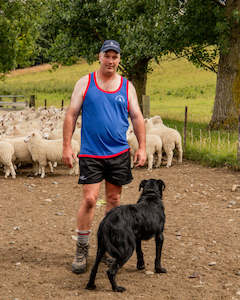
column 142, row 184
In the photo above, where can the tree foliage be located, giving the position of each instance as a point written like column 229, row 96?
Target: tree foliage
column 64, row 30
column 146, row 30
column 82, row 27
column 18, row 31
column 198, row 30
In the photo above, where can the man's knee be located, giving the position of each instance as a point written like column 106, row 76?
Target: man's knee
column 113, row 199
column 90, row 201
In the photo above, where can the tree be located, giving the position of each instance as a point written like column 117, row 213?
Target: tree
column 7, row 39
column 146, row 30
column 210, row 29
column 227, row 98
column 84, row 25
column 18, row 31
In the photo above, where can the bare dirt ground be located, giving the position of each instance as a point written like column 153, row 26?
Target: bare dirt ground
column 201, row 250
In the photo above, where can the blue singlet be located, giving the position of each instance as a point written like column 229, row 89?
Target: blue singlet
column 104, row 120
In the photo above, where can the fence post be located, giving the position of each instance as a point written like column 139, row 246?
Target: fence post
column 146, row 106
column 32, row 101
column 45, row 104
column 62, row 104
column 185, row 128
column 14, row 100
column 238, row 149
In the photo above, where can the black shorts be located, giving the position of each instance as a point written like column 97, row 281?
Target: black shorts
column 116, row 170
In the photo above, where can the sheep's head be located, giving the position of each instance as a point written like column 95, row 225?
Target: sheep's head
column 148, row 124
column 129, row 132
column 157, row 120
column 33, row 135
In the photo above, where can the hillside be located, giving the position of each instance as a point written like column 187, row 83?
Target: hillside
column 172, row 85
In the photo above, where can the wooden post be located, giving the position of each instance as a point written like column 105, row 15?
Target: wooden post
column 146, row 106
column 62, row 105
column 14, row 100
column 192, row 135
column 219, row 140
column 238, row 149
column 45, row 104
column 209, row 139
column 228, row 138
column 32, row 101
column 200, row 138
column 185, row 128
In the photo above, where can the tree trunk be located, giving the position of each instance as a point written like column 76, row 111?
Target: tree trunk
column 227, row 99
column 139, row 79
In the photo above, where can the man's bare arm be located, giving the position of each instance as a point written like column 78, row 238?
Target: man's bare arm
column 71, row 116
column 138, row 126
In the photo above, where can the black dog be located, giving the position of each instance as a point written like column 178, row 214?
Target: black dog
column 125, row 226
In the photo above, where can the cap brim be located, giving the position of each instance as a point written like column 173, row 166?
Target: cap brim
column 105, row 49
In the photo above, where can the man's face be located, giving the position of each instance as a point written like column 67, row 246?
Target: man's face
column 109, row 61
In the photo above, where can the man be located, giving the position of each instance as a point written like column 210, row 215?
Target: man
column 106, row 100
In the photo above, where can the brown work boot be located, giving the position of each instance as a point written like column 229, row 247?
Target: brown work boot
column 79, row 264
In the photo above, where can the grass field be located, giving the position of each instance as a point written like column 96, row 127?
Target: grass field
column 175, row 84
column 172, row 85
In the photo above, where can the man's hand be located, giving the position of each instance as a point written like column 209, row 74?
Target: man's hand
column 140, row 158
column 68, row 156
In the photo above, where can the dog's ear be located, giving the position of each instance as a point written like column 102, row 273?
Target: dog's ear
column 161, row 185
column 141, row 186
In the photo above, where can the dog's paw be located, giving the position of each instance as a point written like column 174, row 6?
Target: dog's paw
column 160, row 270
column 119, row 289
column 140, row 266
column 90, row 287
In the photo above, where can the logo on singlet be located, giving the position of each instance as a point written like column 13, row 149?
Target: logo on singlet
column 120, row 98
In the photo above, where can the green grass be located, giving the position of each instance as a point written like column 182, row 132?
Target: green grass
column 173, row 85
column 210, row 148
column 54, row 86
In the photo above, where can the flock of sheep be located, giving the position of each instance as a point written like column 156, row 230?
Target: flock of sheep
column 159, row 139
column 34, row 136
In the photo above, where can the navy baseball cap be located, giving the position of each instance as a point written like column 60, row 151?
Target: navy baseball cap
column 110, row 45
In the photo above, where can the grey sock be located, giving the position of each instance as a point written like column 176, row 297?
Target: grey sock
column 83, row 236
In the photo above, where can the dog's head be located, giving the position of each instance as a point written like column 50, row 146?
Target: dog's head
column 152, row 185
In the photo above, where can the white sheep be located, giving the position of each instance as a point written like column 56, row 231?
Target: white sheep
column 44, row 151
column 20, row 149
column 55, row 134
column 156, row 120
column 171, row 139
column 153, row 147
column 21, row 152
column 6, row 158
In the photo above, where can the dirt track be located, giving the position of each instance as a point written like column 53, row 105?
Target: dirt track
column 201, row 250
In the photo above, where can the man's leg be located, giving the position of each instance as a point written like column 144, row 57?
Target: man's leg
column 84, row 221
column 113, row 195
